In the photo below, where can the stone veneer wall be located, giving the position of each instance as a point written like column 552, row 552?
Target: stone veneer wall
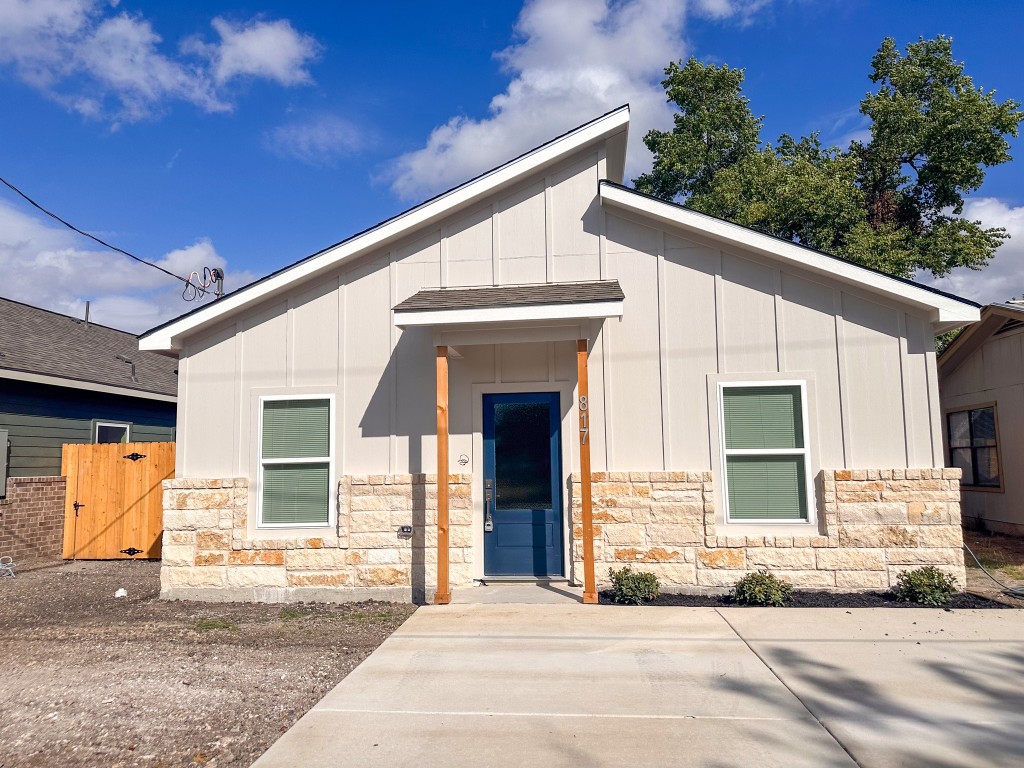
column 32, row 521
column 873, row 525
column 208, row 553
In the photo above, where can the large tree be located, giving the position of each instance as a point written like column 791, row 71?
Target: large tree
column 892, row 203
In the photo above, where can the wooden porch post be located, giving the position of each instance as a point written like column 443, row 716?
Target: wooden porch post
column 443, row 595
column 589, row 586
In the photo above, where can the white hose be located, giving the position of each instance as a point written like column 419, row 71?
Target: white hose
column 1017, row 592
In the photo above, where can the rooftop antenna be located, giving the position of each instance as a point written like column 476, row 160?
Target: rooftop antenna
column 87, row 314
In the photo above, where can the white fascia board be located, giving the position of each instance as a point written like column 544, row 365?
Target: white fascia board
column 168, row 337
column 587, row 310
column 57, row 381
column 945, row 310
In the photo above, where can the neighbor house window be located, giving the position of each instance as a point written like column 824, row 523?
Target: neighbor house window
column 972, row 446
column 764, row 440
column 108, row 432
column 295, row 461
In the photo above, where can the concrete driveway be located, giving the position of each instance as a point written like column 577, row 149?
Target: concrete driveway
column 574, row 685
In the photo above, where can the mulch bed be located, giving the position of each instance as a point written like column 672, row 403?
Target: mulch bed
column 819, row 599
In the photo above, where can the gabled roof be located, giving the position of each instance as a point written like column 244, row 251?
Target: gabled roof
column 948, row 311
column 49, row 348
column 995, row 318
column 167, row 337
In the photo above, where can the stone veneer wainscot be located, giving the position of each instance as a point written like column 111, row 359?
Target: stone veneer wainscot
column 209, row 553
column 874, row 524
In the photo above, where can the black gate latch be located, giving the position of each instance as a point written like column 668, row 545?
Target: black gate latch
column 134, row 456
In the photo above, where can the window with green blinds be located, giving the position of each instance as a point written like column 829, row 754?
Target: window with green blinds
column 295, row 462
column 765, row 453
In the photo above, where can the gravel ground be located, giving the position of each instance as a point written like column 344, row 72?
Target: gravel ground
column 90, row 680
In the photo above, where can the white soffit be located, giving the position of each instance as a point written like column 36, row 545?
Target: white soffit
column 572, row 311
column 946, row 310
column 168, row 336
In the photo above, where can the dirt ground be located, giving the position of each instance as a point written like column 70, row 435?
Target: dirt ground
column 87, row 679
column 1003, row 556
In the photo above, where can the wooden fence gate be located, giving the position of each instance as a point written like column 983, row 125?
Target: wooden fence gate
column 114, row 503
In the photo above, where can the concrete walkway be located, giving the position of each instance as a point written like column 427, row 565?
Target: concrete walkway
column 572, row 685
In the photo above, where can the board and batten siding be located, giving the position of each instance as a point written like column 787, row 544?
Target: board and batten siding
column 692, row 310
column 994, row 373
column 40, row 418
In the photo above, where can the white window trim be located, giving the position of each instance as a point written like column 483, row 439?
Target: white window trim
column 805, row 452
column 332, row 489
column 96, row 431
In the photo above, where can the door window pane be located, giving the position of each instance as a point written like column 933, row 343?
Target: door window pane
column 522, row 456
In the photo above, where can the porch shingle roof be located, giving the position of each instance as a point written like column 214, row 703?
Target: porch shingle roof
column 534, row 294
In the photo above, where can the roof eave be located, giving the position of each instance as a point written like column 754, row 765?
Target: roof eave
column 170, row 336
column 944, row 311
column 92, row 386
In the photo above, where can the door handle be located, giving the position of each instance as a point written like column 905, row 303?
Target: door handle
column 488, row 497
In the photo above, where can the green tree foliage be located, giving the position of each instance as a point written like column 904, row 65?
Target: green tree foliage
column 892, row 203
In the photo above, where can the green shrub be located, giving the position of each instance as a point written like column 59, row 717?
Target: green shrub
column 762, row 588
column 926, row 585
column 633, row 588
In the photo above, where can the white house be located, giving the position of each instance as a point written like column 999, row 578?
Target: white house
column 981, row 382
column 602, row 377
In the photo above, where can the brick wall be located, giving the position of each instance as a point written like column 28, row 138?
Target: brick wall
column 874, row 524
column 209, row 554
column 32, row 521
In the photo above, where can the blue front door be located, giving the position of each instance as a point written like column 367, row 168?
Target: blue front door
column 522, row 485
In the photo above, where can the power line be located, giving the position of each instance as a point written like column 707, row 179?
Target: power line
column 104, row 243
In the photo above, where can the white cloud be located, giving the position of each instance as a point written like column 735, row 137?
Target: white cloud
column 319, row 141
column 1003, row 278
column 573, row 61
column 112, row 65
column 270, row 49
column 51, row 267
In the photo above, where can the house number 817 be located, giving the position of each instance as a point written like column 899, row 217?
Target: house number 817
column 584, row 420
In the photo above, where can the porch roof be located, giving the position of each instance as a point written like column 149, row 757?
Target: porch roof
column 536, row 301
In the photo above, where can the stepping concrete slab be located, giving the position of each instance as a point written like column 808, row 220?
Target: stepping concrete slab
column 496, row 685
column 902, row 687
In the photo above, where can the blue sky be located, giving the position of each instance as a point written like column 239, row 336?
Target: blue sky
column 248, row 135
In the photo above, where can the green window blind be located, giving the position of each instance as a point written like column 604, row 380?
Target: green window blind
column 770, row 485
column 296, row 429
column 295, row 494
column 763, row 417
column 767, row 487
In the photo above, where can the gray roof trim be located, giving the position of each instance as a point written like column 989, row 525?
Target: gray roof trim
column 533, row 294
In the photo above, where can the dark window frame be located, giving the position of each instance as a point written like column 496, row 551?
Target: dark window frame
column 970, row 482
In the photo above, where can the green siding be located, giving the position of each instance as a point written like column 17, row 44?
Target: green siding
column 41, row 418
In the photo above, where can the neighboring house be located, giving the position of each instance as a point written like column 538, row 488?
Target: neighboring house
column 981, row 386
column 63, row 380
column 552, row 342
